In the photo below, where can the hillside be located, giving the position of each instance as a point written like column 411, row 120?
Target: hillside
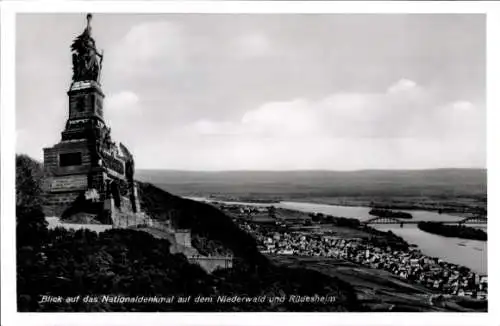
column 213, row 232
column 131, row 263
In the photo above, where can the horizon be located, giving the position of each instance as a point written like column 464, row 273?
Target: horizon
column 296, row 170
column 257, row 92
column 318, row 170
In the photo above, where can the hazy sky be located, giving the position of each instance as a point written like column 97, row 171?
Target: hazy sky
column 225, row 92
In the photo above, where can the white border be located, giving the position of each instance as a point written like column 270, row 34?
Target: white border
column 8, row 286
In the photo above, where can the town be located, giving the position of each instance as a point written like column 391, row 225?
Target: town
column 288, row 238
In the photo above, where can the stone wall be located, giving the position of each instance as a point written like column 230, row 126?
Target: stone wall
column 56, row 204
column 210, row 264
column 55, row 222
column 85, row 100
column 162, row 226
column 51, row 158
column 124, row 216
column 183, row 237
column 96, row 181
column 63, row 184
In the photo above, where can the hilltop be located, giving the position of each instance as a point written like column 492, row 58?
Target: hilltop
column 128, row 262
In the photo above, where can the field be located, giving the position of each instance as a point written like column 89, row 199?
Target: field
column 450, row 190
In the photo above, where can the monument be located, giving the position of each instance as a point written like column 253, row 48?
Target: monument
column 89, row 177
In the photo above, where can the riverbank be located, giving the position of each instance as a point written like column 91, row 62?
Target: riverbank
column 463, row 207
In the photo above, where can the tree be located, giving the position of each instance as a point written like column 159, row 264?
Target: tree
column 31, row 229
column 29, row 179
column 272, row 212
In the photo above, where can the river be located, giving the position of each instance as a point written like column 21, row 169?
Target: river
column 470, row 253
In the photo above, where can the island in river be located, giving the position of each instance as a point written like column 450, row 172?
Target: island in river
column 455, row 231
column 389, row 213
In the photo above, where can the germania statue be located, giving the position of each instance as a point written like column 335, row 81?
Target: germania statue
column 87, row 61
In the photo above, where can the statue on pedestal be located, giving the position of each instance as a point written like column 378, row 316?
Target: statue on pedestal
column 87, row 61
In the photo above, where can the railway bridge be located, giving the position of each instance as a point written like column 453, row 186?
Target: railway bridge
column 473, row 220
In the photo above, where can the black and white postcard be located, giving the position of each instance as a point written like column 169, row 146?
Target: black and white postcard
column 197, row 161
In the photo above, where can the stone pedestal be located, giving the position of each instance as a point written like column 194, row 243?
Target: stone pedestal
column 86, row 160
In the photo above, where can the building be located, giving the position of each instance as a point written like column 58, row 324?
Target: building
column 88, row 176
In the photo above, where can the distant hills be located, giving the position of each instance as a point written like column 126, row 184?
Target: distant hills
column 438, row 182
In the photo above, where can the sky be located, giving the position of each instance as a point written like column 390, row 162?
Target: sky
column 267, row 92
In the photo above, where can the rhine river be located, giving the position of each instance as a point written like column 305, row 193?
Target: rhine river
column 470, row 253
